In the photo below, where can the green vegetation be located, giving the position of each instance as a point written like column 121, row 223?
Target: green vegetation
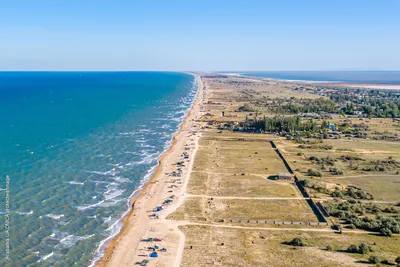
column 313, row 172
column 353, row 193
column 355, row 214
column 382, row 165
column 363, row 248
column 297, row 242
column 307, row 106
column 374, row 259
column 247, row 108
column 372, row 103
column 282, row 124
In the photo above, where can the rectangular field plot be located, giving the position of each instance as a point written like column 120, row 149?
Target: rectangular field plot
column 219, row 184
column 383, row 188
column 260, row 248
column 205, row 209
column 234, row 156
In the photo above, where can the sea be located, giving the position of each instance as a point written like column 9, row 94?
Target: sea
column 74, row 148
column 391, row 77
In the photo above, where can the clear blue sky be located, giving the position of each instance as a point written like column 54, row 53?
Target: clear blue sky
column 199, row 35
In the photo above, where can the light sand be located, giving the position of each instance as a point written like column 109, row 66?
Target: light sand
column 126, row 248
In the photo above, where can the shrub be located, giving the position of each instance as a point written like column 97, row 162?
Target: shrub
column 329, row 248
column 337, row 193
column 397, row 260
column 374, row 259
column 352, row 249
column 298, row 242
column 312, row 172
column 364, row 248
column 386, row 232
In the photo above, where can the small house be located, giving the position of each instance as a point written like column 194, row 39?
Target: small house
column 285, row 176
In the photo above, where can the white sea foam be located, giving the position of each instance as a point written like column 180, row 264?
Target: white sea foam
column 111, row 194
column 45, row 257
column 98, row 182
column 71, row 240
column 111, row 172
column 54, row 216
column 85, row 207
column 129, row 133
column 76, row 183
column 121, row 180
column 25, row 213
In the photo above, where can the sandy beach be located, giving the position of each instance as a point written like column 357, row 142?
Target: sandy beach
column 126, row 249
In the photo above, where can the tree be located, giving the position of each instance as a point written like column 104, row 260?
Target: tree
column 386, row 232
column 364, row 248
column 352, row 249
column 374, row 259
column 312, row 172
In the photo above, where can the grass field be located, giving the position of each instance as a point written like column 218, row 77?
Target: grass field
column 216, row 184
column 364, row 145
column 383, row 188
column 227, row 155
column 242, row 247
column 201, row 209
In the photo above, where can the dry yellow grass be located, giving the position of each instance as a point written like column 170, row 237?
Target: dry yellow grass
column 228, row 155
column 244, row 247
column 205, row 209
column 215, row 184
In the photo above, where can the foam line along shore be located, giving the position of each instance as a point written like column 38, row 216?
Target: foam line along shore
column 120, row 251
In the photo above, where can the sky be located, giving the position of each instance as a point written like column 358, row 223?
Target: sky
column 202, row 35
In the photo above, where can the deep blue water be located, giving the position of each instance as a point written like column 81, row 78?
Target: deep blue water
column 76, row 145
column 332, row 76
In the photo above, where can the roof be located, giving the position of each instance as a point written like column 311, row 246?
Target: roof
column 285, row 174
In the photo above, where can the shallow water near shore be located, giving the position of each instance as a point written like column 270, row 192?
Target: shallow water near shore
column 76, row 145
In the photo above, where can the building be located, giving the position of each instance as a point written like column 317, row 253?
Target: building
column 284, row 176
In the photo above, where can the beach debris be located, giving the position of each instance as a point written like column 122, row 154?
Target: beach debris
column 167, row 202
column 154, row 255
column 154, row 215
column 159, row 208
column 150, row 239
column 163, row 250
column 142, row 263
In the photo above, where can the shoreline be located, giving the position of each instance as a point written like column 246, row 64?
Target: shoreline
column 365, row 85
column 139, row 194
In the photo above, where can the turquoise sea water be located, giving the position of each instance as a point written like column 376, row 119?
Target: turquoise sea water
column 75, row 146
column 332, row 76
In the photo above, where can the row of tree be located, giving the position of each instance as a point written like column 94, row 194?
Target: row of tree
column 284, row 124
